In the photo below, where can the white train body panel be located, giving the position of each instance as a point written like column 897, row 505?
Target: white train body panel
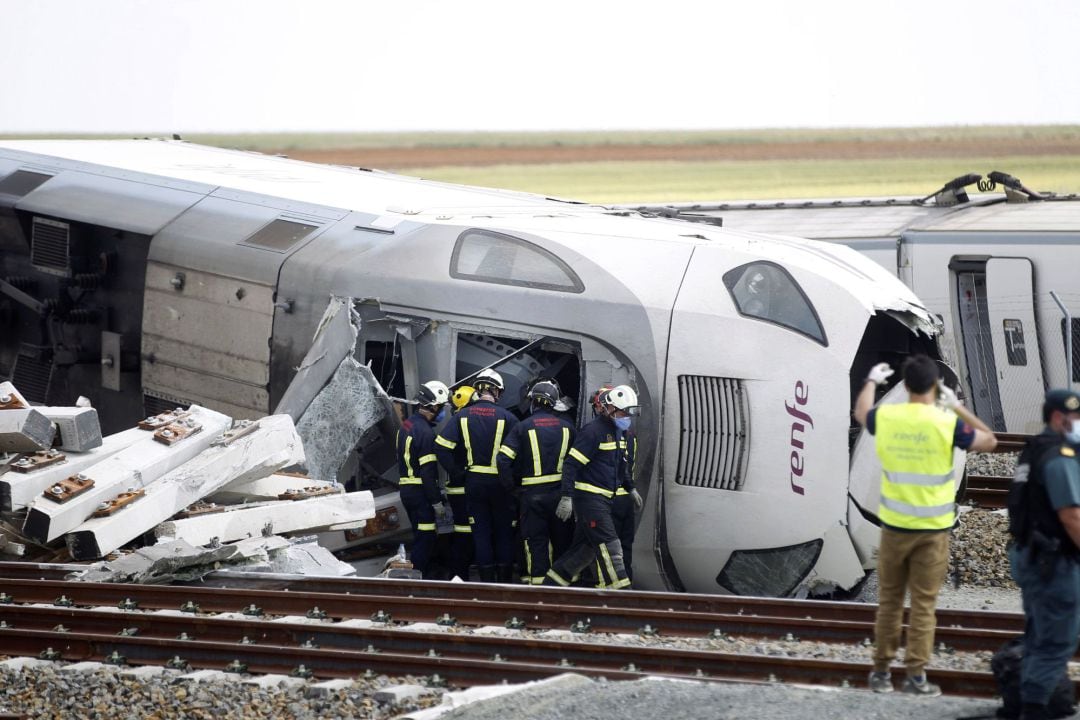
column 171, row 273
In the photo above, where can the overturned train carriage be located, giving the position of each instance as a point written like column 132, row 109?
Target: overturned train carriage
column 143, row 274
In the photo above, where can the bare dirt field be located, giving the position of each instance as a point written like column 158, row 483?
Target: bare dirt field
column 409, row 157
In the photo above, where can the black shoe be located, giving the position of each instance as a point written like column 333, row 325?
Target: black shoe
column 1034, row 712
column 486, row 572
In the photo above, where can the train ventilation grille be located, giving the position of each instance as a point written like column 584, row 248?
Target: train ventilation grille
column 713, row 432
column 32, row 374
column 50, row 247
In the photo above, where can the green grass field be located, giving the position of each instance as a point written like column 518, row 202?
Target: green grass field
column 936, row 155
column 656, row 182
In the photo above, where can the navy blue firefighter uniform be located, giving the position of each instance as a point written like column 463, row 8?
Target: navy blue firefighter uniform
column 623, row 506
column 419, row 484
column 468, row 447
column 533, row 453
column 592, row 473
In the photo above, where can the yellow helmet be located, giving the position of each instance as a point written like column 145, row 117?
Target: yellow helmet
column 462, row 396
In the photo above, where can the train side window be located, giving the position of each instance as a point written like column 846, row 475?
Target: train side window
column 492, row 257
column 765, row 291
column 1015, row 349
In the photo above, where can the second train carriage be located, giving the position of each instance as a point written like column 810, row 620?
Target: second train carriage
column 148, row 273
column 986, row 263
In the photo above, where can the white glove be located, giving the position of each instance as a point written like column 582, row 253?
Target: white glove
column 638, row 502
column 565, row 508
column 879, row 373
column 946, row 398
column 440, row 510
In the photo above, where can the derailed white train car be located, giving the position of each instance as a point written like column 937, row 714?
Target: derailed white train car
column 149, row 273
column 985, row 263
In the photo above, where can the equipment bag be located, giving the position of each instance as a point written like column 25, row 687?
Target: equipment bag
column 1005, row 665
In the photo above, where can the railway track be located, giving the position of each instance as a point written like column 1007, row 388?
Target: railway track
column 82, row 621
column 987, row 491
column 1010, row 442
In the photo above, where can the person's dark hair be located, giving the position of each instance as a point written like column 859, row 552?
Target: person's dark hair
column 920, row 374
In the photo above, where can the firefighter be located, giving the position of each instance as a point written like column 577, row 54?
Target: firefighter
column 468, row 448
column 592, row 472
column 531, row 458
column 461, row 543
column 417, row 470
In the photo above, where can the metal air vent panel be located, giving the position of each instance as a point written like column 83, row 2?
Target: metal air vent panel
column 714, row 432
column 50, row 242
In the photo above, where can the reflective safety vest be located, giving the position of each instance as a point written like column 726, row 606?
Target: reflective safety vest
column 915, row 444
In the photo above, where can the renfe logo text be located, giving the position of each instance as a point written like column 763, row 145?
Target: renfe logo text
column 801, row 420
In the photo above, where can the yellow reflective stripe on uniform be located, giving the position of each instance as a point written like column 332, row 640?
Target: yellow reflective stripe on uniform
column 918, row 511
column 576, row 454
column 493, row 468
column 425, row 527
column 450, row 444
column 455, row 490
column 464, row 422
column 425, row 459
column 535, row 444
column 541, row 479
column 537, row 581
column 621, row 491
column 620, row 584
column 462, row 529
column 557, row 578
column 508, row 452
column 408, row 459
column 918, row 478
column 589, row 487
column 607, row 446
column 608, row 564
column 410, row 481
column 528, row 561
column 562, row 450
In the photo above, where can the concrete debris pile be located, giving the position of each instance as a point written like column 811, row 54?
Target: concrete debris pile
column 209, row 490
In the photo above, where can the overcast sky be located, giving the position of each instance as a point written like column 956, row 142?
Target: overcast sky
column 265, row 65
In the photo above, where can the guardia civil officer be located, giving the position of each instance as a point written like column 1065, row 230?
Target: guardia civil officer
column 468, row 447
column 417, row 470
column 531, row 458
column 914, row 441
column 593, row 470
column 1044, row 520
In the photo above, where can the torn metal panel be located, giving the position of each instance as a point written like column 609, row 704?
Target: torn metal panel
column 333, row 341
column 272, row 445
column 270, row 487
column 272, row 518
column 134, row 467
column 352, row 403
column 18, row 489
column 78, row 428
column 25, row 430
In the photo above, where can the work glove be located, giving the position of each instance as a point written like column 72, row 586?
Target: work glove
column 638, row 502
column 946, row 398
column 440, row 510
column 879, row 373
column 565, row 508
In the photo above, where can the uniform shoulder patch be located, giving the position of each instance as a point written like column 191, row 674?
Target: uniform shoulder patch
column 1067, row 451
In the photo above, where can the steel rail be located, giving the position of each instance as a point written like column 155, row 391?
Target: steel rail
column 988, row 491
column 1010, row 442
column 464, row 672
column 483, row 611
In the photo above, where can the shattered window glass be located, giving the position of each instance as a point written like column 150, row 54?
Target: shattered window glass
column 766, row 291
column 770, row 572
column 496, row 258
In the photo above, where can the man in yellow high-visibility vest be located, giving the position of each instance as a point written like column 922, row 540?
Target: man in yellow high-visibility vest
column 914, row 442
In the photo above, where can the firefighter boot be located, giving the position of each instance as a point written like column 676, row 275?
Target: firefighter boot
column 504, row 573
column 487, row 573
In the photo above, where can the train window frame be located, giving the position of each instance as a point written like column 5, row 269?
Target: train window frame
column 1015, row 350
column 733, row 277
column 574, row 284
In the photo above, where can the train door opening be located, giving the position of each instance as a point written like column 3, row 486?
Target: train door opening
column 1000, row 349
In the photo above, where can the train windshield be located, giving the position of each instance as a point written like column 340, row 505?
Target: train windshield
column 765, row 291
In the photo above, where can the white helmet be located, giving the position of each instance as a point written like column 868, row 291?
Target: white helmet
column 621, row 397
column 433, row 392
column 488, row 377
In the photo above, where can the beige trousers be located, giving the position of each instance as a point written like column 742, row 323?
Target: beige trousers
column 914, row 562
